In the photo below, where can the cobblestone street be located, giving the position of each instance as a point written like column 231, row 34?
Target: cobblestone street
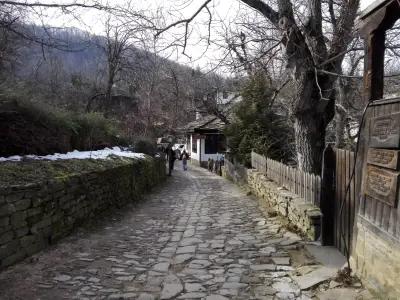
column 196, row 237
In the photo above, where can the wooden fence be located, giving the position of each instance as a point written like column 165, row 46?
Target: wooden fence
column 305, row 185
column 258, row 162
column 339, row 204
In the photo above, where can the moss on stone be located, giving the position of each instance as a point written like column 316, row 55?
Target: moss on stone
column 30, row 172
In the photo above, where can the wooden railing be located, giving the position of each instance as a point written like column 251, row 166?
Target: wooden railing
column 304, row 185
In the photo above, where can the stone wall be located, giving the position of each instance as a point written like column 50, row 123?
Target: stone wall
column 376, row 260
column 305, row 216
column 35, row 215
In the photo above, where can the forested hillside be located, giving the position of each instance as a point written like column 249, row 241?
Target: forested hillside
column 137, row 92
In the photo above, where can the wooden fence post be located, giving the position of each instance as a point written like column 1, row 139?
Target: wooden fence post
column 327, row 200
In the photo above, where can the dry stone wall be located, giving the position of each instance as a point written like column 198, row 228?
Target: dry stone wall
column 305, row 216
column 33, row 216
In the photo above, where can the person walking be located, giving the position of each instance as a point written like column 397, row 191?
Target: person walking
column 184, row 158
column 171, row 156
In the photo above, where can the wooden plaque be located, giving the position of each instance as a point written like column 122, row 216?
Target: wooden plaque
column 382, row 184
column 384, row 158
column 385, row 131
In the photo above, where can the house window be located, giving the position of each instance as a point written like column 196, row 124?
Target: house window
column 194, row 144
column 215, row 143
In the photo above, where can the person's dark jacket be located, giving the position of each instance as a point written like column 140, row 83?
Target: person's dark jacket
column 171, row 155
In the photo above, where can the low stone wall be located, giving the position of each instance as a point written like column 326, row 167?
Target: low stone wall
column 376, row 260
column 305, row 216
column 34, row 215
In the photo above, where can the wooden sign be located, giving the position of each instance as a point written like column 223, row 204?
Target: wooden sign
column 385, row 131
column 382, row 185
column 384, row 158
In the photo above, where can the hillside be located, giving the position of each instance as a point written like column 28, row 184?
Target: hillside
column 150, row 95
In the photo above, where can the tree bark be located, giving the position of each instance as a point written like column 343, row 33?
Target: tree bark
column 310, row 142
column 311, row 116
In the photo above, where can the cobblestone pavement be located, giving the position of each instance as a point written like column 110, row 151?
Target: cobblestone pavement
column 196, row 237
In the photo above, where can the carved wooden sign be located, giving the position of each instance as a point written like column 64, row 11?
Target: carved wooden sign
column 382, row 185
column 384, row 158
column 385, row 131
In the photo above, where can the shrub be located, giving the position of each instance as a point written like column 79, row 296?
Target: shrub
column 145, row 145
column 93, row 131
column 87, row 131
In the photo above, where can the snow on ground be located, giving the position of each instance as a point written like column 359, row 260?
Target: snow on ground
column 98, row 154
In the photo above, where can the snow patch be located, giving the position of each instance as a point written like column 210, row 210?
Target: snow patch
column 98, row 154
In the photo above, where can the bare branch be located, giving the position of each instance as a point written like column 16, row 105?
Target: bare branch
column 278, row 90
column 264, row 9
column 352, row 76
column 332, row 14
column 184, row 21
column 54, row 5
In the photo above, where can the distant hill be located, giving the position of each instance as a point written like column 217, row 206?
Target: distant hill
column 73, row 75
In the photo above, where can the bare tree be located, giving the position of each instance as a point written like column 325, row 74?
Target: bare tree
column 25, row 10
column 310, row 46
column 115, row 48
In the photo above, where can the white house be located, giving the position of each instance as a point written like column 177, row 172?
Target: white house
column 205, row 140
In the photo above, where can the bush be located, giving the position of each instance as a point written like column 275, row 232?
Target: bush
column 146, row 146
column 85, row 131
column 93, row 131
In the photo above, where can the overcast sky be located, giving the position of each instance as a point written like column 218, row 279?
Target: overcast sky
column 227, row 10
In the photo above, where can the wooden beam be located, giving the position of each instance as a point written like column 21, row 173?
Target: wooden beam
column 374, row 65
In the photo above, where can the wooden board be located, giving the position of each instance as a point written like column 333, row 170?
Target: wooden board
column 384, row 158
column 382, row 185
column 385, row 131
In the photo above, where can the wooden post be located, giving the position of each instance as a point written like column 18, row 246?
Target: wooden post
column 374, row 65
column 199, row 151
column 327, row 203
column 372, row 25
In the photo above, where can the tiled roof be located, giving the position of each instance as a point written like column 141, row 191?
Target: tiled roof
column 205, row 123
column 373, row 7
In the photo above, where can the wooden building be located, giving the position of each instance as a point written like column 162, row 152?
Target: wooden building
column 375, row 248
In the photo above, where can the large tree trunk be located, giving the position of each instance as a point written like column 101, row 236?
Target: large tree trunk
column 310, row 142
column 311, row 116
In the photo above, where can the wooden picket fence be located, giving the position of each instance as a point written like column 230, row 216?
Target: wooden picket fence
column 304, row 185
column 258, row 162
